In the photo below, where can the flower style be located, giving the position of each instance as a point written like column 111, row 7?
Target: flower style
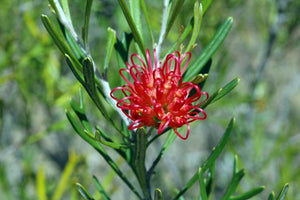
column 158, row 97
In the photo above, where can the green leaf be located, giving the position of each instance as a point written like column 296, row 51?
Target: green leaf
column 235, row 164
column 75, row 45
column 113, row 145
column 158, row 194
column 120, row 148
column 249, row 194
column 197, row 23
column 75, row 124
column 100, row 188
column 209, row 50
column 209, row 100
column 205, row 4
column 210, row 178
column 203, row 194
column 226, row 89
column 132, row 26
column 220, row 93
column 89, row 77
column 82, row 191
column 76, row 68
column 271, row 196
column 57, row 38
column 80, row 112
column 109, row 47
column 144, row 8
column 90, row 86
column 65, row 6
column 233, row 184
column 41, row 184
column 283, row 192
column 85, row 29
column 122, row 48
column 211, row 159
column 134, row 6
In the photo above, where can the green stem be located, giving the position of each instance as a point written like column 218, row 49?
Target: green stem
column 139, row 164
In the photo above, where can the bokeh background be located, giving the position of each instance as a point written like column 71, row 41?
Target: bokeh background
column 36, row 86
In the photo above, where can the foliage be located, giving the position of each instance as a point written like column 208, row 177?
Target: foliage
column 27, row 51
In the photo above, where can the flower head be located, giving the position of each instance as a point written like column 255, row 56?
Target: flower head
column 157, row 96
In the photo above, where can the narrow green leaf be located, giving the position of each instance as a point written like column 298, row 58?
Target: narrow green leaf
column 132, row 26
column 85, row 29
column 210, row 178
column 75, row 45
column 122, row 48
column 220, row 146
column 82, row 191
column 144, row 8
column 65, row 6
column 205, row 4
column 57, row 38
column 235, row 164
column 80, row 112
column 209, row 50
column 113, row 145
column 226, row 89
column 41, row 184
column 89, row 76
column 100, row 188
column 158, row 194
column 120, row 148
column 249, row 194
column 211, row 159
column 271, row 196
column 174, row 13
column 233, row 184
column 90, row 86
column 210, row 99
column 134, row 6
column 197, row 24
column 283, row 192
column 203, row 194
column 76, row 68
column 75, row 124
column 109, row 47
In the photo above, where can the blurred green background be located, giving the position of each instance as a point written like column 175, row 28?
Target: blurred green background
column 38, row 145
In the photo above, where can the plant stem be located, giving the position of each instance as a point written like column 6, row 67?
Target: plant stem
column 139, row 164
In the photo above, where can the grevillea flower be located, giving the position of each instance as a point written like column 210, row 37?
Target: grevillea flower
column 157, row 96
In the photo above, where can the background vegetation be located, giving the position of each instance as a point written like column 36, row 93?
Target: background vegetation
column 38, row 145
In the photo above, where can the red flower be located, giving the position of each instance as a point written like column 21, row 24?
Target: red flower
column 158, row 97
